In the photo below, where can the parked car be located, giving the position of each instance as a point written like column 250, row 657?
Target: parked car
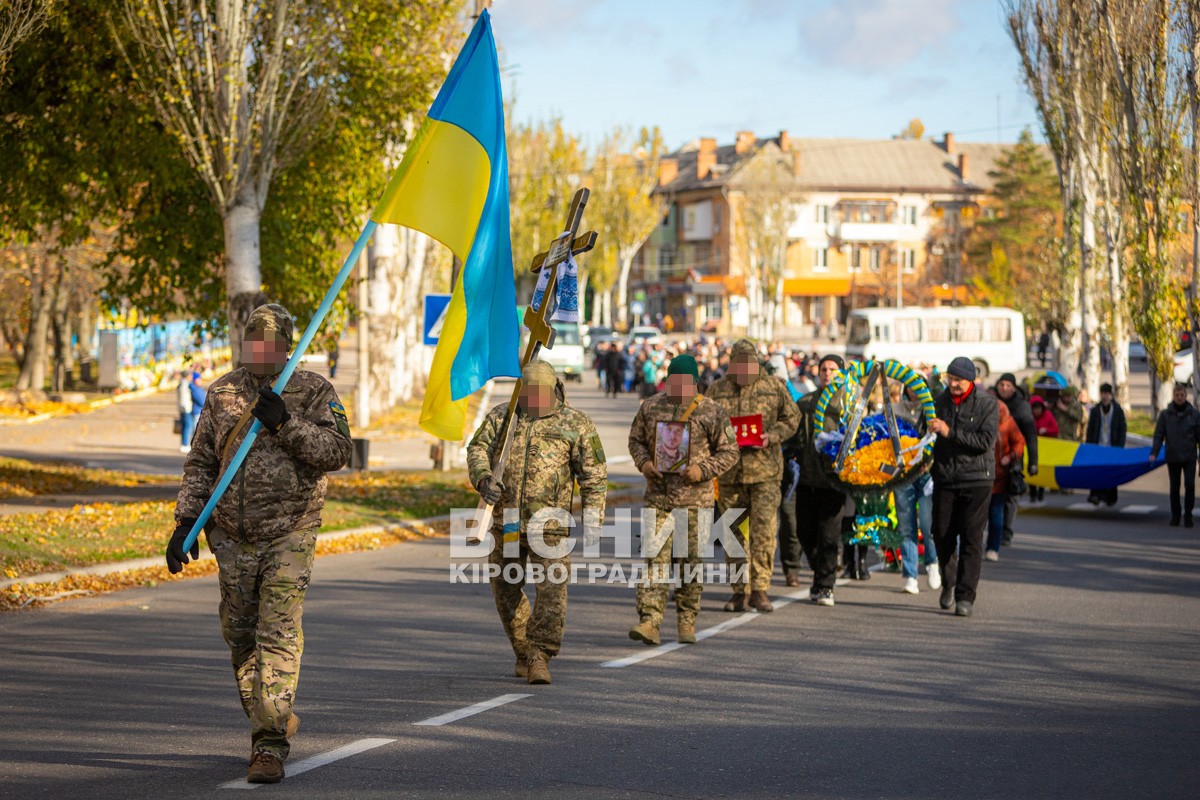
column 645, row 334
column 1137, row 351
column 594, row 334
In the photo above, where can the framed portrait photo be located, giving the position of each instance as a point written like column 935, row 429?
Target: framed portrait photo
column 671, row 447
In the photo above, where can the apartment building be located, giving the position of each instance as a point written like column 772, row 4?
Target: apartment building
column 873, row 222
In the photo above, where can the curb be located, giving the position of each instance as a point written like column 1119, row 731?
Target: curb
column 92, row 405
column 157, row 561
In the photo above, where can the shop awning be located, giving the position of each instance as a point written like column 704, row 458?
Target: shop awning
column 816, row 287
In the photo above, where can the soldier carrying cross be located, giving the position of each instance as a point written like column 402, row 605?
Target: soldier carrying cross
column 526, row 458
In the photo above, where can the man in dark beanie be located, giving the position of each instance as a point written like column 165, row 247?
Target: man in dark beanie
column 964, row 467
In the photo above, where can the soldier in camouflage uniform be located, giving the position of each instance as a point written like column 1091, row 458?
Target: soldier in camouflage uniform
column 263, row 531
column 553, row 446
column 754, row 482
column 1069, row 414
column 712, row 450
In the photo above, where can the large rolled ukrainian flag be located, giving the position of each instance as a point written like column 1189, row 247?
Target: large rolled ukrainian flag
column 1064, row 464
column 453, row 185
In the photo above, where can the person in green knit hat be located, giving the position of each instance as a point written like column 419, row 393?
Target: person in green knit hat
column 709, row 449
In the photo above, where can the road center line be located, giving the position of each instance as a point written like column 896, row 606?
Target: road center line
column 300, row 767
column 729, row 624
column 470, row 711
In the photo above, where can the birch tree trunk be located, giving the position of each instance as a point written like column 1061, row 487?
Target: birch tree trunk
column 625, row 255
column 243, row 265
column 398, row 258
column 1089, row 323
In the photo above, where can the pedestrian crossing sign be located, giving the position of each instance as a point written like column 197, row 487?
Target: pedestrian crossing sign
column 435, row 315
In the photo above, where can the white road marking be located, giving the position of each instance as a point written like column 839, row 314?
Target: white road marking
column 300, row 767
column 469, row 711
column 620, row 459
column 729, row 624
column 1129, row 509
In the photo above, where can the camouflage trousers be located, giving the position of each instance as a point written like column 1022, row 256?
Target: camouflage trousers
column 652, row 594
column 262, row 600
column 536, row 627
column 762, row 503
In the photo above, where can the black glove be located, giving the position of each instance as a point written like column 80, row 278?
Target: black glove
column 176, row 558
column 270, row 410
column 490, row 489
column 1033, row 469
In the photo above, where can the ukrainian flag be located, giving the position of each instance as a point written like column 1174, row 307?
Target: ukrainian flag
column 453, row 185
column 1064, row 464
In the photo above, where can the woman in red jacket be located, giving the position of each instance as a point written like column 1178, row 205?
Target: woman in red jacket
column 1010, row 449
column 1047, row 426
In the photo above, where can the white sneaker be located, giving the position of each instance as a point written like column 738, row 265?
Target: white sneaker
column 935, row 576
column 992, row 555
column 911, row 586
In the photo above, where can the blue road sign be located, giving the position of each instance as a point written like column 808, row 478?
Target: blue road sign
column 435, row 314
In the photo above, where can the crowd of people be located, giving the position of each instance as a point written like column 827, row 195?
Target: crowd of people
column 1029, row 410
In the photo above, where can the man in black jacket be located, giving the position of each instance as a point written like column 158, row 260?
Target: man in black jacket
column 964, row 467
column 819, row 506
column 1106, row 427
column 1018, row 405
column 1178, row 427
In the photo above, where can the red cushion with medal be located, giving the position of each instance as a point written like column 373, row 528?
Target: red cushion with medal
column 748, row 429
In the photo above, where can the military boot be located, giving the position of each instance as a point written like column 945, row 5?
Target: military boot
column 687, row 631
column 645, row 632
column 539, row 669
column 293, row 725
column 520, row 669
column 265, row 768
column 736, row 603
column 760, row 602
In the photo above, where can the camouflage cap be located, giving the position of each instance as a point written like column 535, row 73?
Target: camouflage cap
column 538, row 373
column 271, row 317
column 743, row 348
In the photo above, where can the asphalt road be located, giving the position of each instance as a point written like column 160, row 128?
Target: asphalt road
column 1075, row 678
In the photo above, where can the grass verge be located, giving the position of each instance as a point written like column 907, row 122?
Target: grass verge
column 1139, row 422
column 21, row 479
column 102, row 533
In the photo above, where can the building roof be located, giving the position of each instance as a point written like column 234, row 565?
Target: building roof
column 891, row 165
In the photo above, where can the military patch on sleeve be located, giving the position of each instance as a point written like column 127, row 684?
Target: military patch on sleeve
column 339, row 417
column 597, row 448
column 730, row 436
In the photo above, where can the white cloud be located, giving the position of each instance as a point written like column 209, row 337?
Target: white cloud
column 869, row 36
column 539, row 18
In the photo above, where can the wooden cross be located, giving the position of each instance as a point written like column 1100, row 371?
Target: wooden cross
column 541, row 334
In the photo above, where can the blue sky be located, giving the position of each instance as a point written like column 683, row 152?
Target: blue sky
column 859, row 68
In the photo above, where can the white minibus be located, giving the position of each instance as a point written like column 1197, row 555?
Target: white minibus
column 992, row 337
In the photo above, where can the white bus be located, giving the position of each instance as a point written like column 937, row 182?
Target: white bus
column 994, row 338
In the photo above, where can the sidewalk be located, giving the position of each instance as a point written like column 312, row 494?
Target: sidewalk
column 136, row 435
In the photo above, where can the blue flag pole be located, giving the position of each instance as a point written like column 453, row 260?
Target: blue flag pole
column 313, row 326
